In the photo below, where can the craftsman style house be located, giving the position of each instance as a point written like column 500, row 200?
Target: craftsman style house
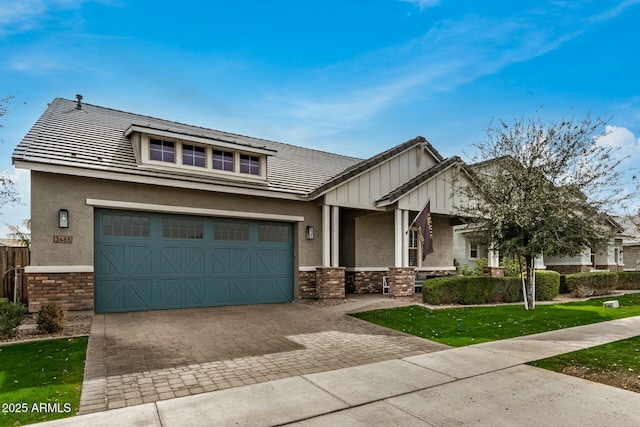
column 131, row 212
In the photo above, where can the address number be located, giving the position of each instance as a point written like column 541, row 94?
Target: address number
column 63, row 239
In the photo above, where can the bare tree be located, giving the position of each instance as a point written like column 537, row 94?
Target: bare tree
column 8, row 189
column 543, row 187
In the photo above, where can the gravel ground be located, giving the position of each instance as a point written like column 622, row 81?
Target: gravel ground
column 76, row 324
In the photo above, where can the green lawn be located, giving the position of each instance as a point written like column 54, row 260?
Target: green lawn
column 622, row 356
column 41, row 380
column 616, row 364
column 472, row 325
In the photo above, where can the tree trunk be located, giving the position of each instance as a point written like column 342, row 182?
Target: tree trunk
column 530, row 282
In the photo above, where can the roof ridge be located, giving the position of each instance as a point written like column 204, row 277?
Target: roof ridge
column 115, row 110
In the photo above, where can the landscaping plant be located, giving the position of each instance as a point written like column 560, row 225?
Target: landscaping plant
column 51, row 318
column 11, row 316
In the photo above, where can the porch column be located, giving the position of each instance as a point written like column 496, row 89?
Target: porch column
column 405, row 238
column 326, row 236
column 493, row 268
column 398, row 238
column 493, row 258
column 335, row 236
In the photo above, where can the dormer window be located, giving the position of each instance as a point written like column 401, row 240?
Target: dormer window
column 249, row 164
column 223, row 160
column 193, row 155
column 162, row 151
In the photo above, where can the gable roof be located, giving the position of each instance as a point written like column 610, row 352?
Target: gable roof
column 371, row 162
column 415, row 182
column 94, row 139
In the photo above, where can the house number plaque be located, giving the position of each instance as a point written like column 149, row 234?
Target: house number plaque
column 63, row 239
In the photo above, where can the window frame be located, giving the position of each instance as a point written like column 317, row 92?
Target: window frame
column 474, row 246
column 209, row 150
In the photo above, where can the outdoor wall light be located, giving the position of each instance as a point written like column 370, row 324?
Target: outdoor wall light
column 63, row 218
column 309, row 232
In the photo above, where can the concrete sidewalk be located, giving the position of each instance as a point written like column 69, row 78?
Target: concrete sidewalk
column 485, row 384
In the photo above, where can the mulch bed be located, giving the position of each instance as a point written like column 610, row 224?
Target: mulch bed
column 76, row 324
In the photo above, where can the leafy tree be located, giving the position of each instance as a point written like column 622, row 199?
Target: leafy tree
column 543, row 187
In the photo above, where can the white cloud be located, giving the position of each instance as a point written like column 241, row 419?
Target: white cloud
column 623, row 140
column 23, row 15
column 422, row 4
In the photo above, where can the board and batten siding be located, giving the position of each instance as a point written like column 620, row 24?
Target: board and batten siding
column 363, row 190
column 444, row 190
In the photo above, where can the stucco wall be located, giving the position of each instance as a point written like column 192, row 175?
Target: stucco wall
column 51, row 192
column 375, row 240
column 442, row 255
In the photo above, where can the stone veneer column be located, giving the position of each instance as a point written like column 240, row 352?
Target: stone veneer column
column 330, row 282
column 402, row 281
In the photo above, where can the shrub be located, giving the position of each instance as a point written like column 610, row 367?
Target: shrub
column 477, row 270
column 590, row 284
column 51, row 318
column 628, row 280
column 547, row 285
column 511, row 266
column 11, row 316
column 484, row 290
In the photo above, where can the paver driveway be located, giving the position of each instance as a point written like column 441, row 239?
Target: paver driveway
column 142, row 357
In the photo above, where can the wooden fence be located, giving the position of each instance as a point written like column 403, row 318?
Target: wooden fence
column 12, row 262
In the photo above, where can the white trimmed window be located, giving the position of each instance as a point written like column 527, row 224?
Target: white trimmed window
column 162, row 151
column 203, row 158
column 249, row 164
column 414, row 252
column 474, row 250
column 223, row 160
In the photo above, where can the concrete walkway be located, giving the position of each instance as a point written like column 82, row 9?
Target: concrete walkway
column 486, row 384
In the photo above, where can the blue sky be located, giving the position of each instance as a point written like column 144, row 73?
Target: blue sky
column 352, row 77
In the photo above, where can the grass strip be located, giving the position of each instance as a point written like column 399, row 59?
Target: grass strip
column 473, row 325
column 41, row 380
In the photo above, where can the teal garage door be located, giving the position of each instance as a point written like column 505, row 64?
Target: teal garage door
column 151, row 261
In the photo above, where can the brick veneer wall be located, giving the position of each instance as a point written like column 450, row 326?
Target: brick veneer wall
column 72, row 291
column 569, row 269
column 402, row 281
column 611, row 267
column 307, row 284
column 330, row 282
column 369, row 282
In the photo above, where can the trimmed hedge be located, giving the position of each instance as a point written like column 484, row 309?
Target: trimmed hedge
column 547, row 285
column 591, row 284
column 485, row 290
column 628, row 280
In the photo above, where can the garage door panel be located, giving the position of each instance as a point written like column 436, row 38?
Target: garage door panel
column 111, row 259
column 139, row 294
column 146, row 261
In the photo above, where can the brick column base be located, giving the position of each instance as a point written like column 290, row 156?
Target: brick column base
column 330, row 282
column 402, row 281
column 71, row 291
column 569, row 269
column 307, row 284
column 493, row 271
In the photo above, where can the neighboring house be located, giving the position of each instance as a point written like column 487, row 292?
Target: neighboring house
column 630, row 241
column 468, row 249
column 131, row 212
